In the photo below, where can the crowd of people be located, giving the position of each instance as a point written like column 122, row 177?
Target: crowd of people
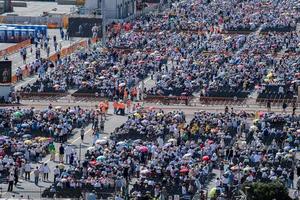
column 185, row 49
column 156, row 155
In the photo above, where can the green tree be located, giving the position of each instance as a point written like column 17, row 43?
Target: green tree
column 266, row 191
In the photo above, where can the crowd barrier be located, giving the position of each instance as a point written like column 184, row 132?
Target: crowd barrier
column 87, row 95
column 25, row 95
column 238, row 32
column 276, row 101
column 169, row 99
column 15, row 48
column 222, row 100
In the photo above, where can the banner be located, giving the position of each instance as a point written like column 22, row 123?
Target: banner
column 5, row 72
column 85, row 27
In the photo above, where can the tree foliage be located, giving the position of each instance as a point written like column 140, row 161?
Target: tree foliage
column 266, row 191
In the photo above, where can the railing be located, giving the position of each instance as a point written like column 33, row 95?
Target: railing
column 26, row 95
column 15, row 48
column 169, row 99
column 216, row 100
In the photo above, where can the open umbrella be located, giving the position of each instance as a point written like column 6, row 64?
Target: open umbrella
column 18, row 153
column 91, row 148
column 187, row 156
column 28, row 142
column 26, row 136
column 2, row 139
column 93, row 163
column 101, row 142
column 212, row 193
column 210, row 141
column 247, row 168
column 205, row 158
column 101, row 158
column 143, row 149
column 122, row 84
column 184, row 170
column 17, row 114
column 24, row 125
column 234, row 168
column 145, row 171
column 172, row 140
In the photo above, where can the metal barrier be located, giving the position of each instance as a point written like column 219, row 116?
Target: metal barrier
column 15, row 48
column 274, row 102
column 169, row 99
column 222, row 100
column 45, row 95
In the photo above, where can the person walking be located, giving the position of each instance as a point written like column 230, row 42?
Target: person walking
column 51, row 148
column 36, row 173
column 61, row 153
column 11, row 179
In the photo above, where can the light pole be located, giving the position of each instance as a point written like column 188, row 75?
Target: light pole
column 103, row 22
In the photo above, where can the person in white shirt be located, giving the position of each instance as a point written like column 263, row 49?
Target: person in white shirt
column 27, row 171
column 56, row 173
column 46, row 171
column 11, row 179
column 68, row 151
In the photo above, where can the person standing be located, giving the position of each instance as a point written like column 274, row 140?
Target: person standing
column 269, row 106
column 38, row 53
column 36, row 173
column 56, row 173
column 55, row 45
column 27, row 171
column 61, row 153
column 284, row 106
column 11, row 179
column 82, row 134
column 52, row 151
column 102, row 122
column 48, row 51
column 68, row 152
column 46, row 171
column 294, row 109
column 16, row 175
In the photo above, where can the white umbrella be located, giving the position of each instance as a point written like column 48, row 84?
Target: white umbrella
column 91, row 148
column 172, row 140
column 187, row 156
column 101, row 141
column 145, row 171
column 121, row 143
